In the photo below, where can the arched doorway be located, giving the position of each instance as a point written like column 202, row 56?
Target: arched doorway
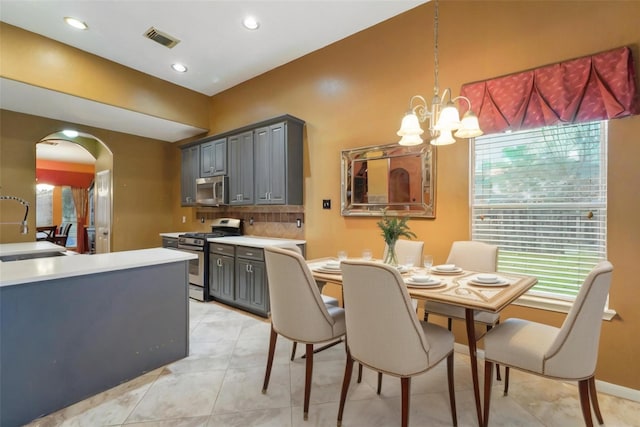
column 69, row 169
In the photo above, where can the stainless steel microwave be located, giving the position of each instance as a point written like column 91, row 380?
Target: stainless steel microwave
column 213, row 191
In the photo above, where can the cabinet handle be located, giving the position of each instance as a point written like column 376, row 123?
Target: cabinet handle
column 219, row 262
column 249, row 268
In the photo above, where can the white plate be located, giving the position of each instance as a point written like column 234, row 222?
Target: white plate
column 432, row 283
column 487, row 278
column 331, row 266
column 327, row 270
column 403, row 269
column 500, row 282
column 447, row 267
column 437, row 270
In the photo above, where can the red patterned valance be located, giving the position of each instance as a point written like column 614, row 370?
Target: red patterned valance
column 596, row 87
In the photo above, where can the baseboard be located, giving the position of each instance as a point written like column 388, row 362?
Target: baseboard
column 602, row 386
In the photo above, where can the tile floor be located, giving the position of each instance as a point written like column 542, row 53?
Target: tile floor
column 219, row 385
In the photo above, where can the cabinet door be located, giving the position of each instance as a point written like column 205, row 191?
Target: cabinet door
column 270, row 155
column 213, row 158
column 251, row 286
column 221, row 277
column 241, row 169
column 190, row 170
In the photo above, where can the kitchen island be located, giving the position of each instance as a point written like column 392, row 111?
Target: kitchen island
column 74, row 326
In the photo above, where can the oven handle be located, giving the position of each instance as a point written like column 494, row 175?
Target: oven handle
column 190, row 249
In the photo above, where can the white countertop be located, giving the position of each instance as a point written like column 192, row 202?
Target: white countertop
column 22, row 248
column 255, row 241
column 39, row 269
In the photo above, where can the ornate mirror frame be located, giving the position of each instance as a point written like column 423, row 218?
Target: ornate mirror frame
column 398, row 179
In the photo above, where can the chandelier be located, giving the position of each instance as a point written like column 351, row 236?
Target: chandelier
column 444, row 118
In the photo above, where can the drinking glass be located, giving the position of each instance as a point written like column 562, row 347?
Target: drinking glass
column 428, row 263
column 367, row 254
column 342, row 255
column 408, row 262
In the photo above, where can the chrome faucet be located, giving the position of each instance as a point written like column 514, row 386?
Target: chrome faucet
column 24, row 229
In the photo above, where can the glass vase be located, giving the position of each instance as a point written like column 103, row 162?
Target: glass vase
column 391, row 258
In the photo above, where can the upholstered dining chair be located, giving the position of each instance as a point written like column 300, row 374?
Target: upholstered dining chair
column 297, row 310
column 405, row 249
column 566, row 353
column 384, row 333
column 474, row 256
column 328, row 300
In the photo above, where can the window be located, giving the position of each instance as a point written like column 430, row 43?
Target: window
column 54, row 206
column 541, row 196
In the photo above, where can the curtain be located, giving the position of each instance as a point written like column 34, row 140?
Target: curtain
column 596, row 87
column 81, row 200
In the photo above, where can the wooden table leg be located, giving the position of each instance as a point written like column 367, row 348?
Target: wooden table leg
column 471, row 337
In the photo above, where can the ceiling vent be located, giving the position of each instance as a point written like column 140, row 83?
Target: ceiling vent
column 159, row 37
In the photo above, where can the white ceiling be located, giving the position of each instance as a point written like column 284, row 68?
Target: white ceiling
column 217, row 50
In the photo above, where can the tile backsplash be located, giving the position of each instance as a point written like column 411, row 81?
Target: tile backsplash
column 271, row 221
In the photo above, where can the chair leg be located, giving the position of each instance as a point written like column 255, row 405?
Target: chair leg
column 452, row 394
column 583, row 388
column 272, row 350
column 593, row 394
column 348, row 370
column 497, row 366
column 293, row 350
column 379, row 382
column 488, row 379
column 406, row 389
column 359, row 373
column 307, row 380
column 506, row 380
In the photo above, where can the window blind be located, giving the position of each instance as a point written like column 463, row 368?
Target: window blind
column 540, row 195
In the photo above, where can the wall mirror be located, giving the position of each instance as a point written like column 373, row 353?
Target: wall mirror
column 400, row 179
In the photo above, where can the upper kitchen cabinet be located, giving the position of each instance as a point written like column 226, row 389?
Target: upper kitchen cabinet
column 213, row 158
column 240, row 148
column 190, row 170
column 278, row 163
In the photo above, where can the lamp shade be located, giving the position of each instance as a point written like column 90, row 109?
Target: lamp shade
column 445, row 138
column 411, row 140
column 470, row 127
column 449, row 118
column 410, row 126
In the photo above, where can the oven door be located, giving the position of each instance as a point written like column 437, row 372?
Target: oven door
column 196, row 272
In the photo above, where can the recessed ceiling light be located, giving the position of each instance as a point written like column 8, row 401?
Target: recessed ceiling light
column 180, row 68
column 76, row 23
column 70, row 133
column 250, row 23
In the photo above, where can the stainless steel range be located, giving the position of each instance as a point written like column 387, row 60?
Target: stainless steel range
column 196, row 243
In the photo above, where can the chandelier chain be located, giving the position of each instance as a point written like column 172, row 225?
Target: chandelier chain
column 436, row 88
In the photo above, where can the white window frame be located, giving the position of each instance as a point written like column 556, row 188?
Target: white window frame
column 537, row 299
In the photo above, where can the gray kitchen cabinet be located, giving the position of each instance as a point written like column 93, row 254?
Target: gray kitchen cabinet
column 190, row 170
column 213, row 158
column 222, row 272
column 252, row 290
column 240, row 148
column 278, row 163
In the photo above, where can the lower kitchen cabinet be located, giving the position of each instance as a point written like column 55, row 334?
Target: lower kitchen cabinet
column 238, row 277
column 222, row 273
column 251, row 282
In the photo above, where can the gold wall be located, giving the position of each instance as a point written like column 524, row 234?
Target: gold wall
column 354, row 93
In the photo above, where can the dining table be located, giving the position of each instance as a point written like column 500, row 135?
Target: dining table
column 471, row 290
